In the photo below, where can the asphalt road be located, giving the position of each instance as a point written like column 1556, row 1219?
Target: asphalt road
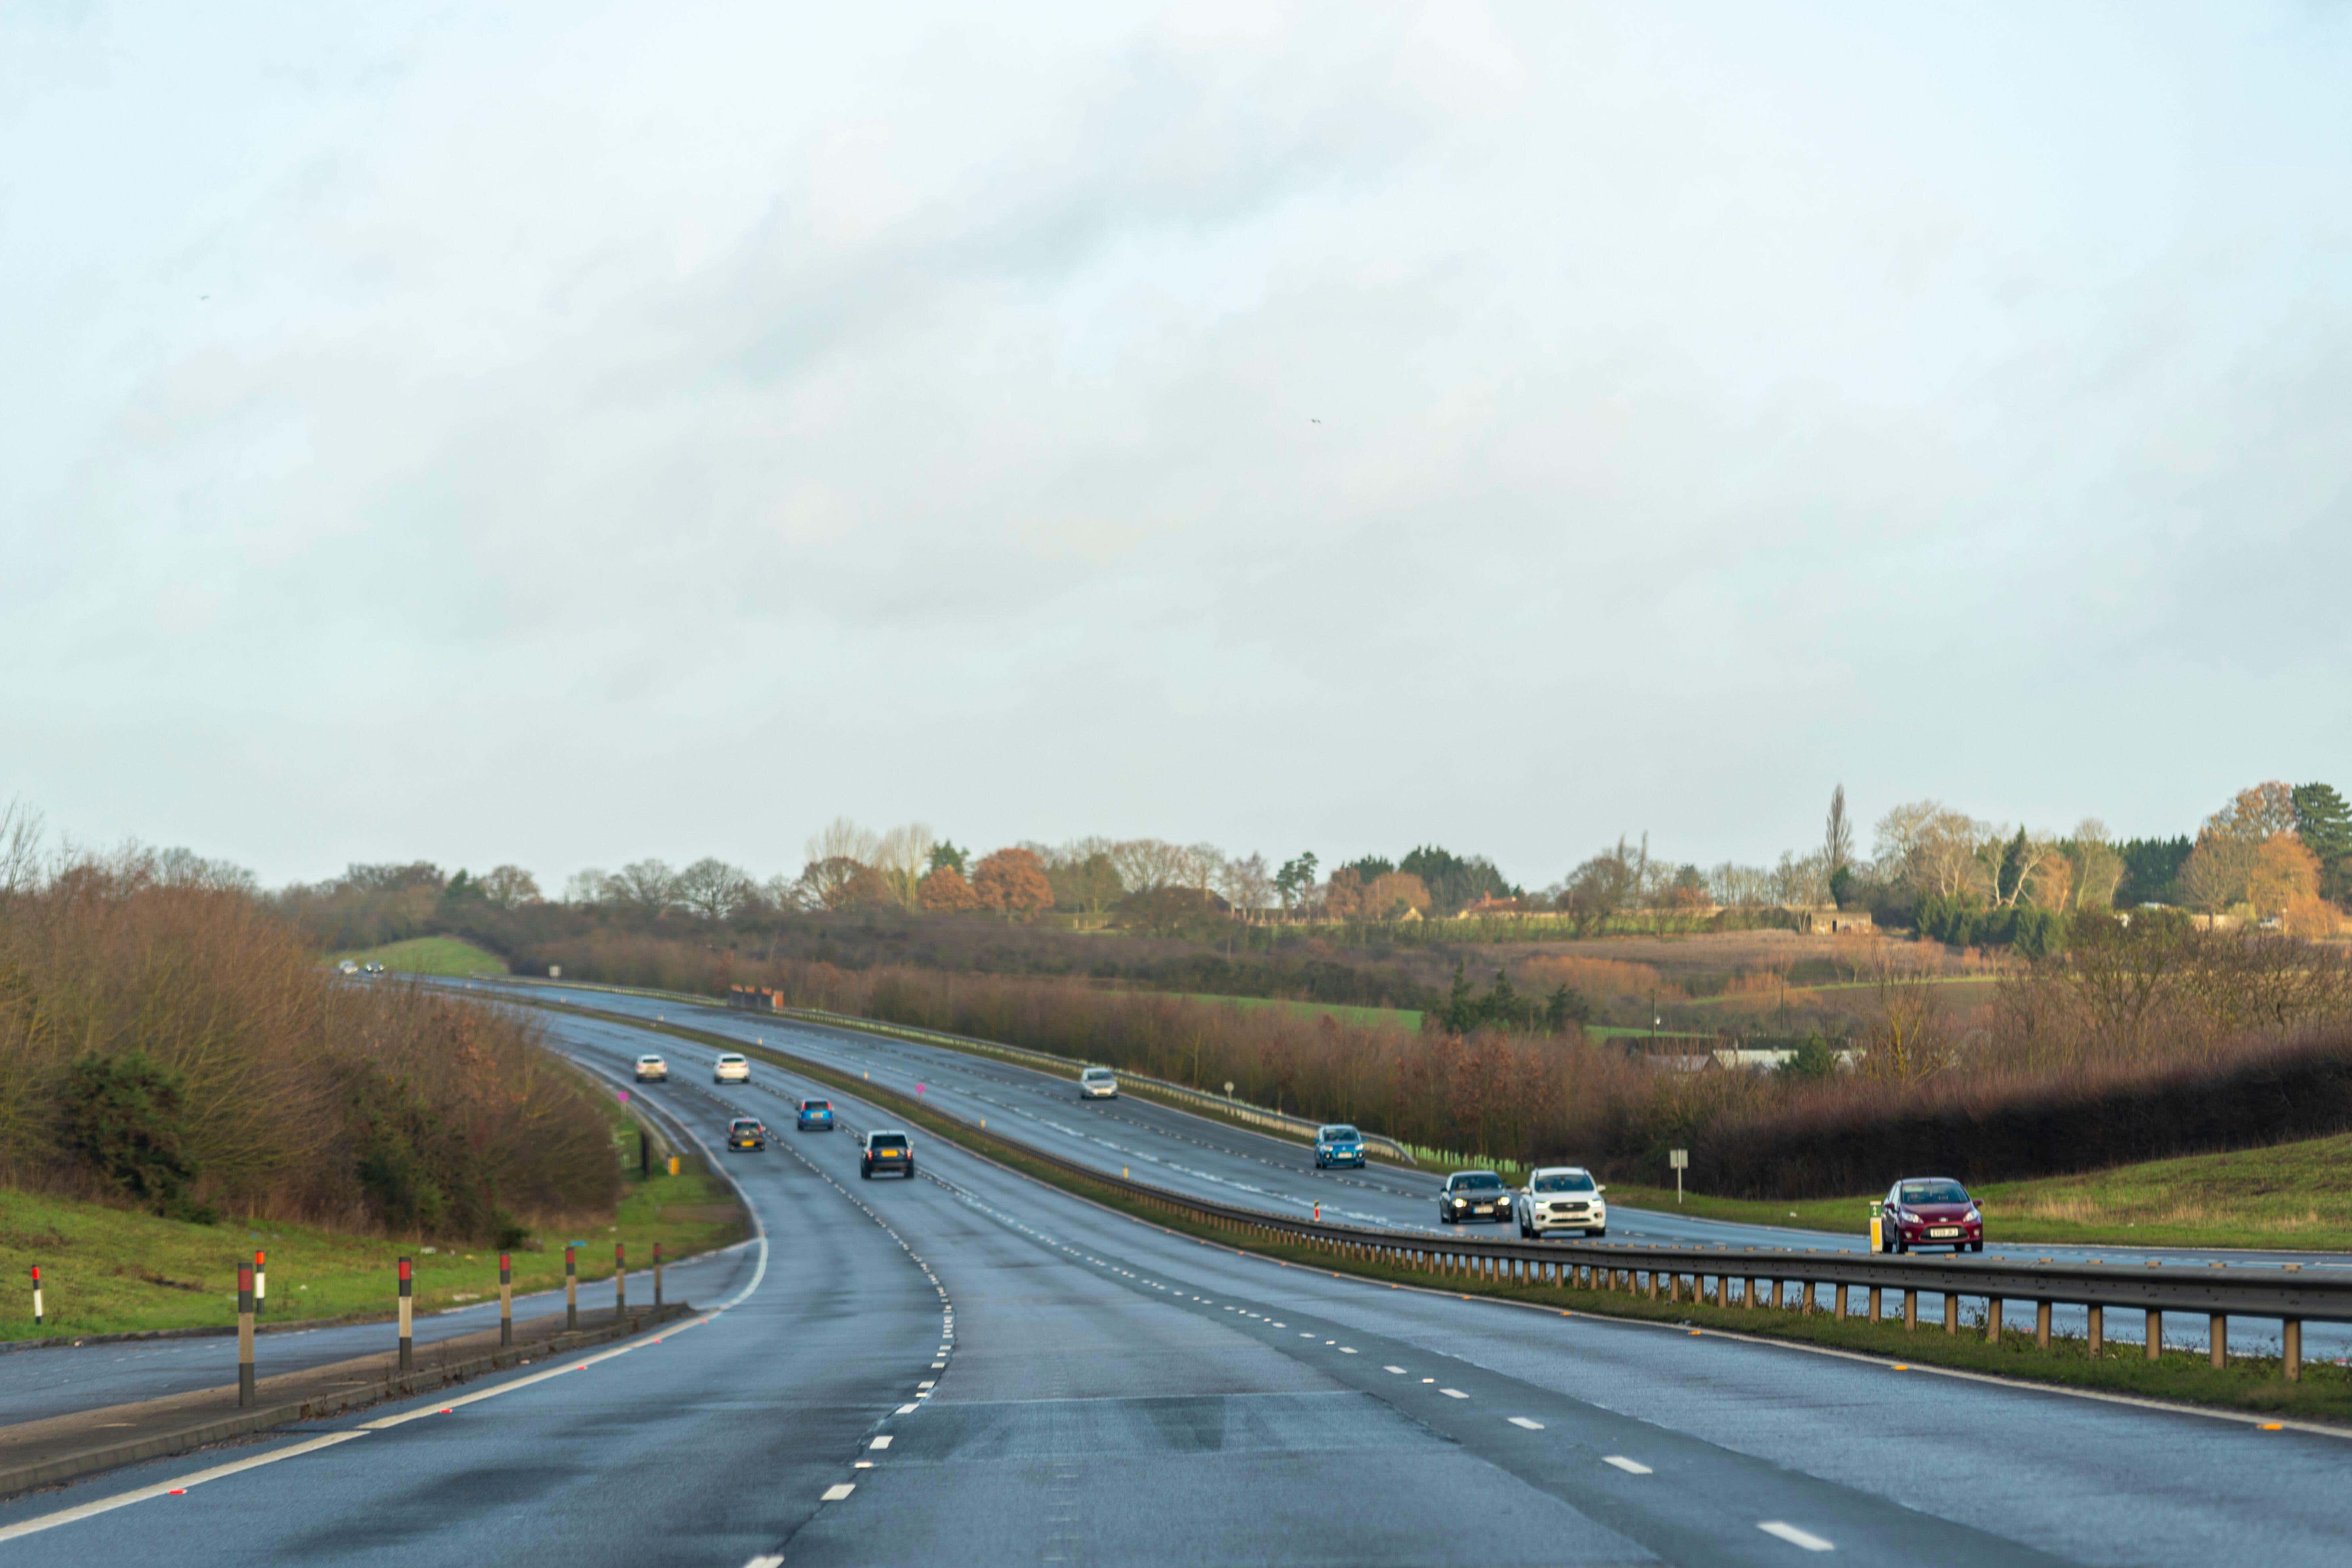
column 1212, row 1159
column 1058, row 1384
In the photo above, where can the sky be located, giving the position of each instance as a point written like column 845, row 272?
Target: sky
column 560, row 434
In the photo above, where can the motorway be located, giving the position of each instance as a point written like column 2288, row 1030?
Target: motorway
column 971, row 1363
column 1210, row 1159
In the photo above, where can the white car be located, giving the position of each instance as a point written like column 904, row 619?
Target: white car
column 1562, row 1198
column 651, row 1069
column 730, row 1069
column 348, row 967
column 1096, row 1083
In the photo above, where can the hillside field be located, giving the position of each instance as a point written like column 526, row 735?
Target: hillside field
column 448, row 955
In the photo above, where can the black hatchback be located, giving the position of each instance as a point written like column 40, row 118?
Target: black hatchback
column 1473, row 1196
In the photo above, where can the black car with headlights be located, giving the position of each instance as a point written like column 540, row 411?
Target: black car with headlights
column 1473, row 1196
column 885, row 1153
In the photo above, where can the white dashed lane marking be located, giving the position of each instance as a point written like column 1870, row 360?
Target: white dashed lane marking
column 1452, row 1394
column 838, row 1491
column 1530, row 1426
column 1630, row 1466
column 1793, row 1536
column 1397, row 1370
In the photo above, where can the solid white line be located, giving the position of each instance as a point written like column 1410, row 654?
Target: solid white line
column 164, row 1488
column 1452, row 1394
column 835, row 1492
column 1530, row 1426
column 1630, row 1466
column 1795, row 1537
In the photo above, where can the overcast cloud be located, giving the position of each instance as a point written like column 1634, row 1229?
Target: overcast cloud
column 583, row 433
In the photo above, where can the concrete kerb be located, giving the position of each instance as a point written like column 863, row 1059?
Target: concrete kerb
column 88, row 1461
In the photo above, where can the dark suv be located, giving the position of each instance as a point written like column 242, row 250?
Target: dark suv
column 1473, row 1194
column 885, row 1153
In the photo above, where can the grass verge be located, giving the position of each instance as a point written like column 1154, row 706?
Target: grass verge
column 2295, row 1197
column 1373, row 1017
column 2249, row 1385
column 450, row 955
column 109, row 1270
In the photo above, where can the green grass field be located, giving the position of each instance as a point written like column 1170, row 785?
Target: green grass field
column 109, row 1270
column 429, row 955
column 2296, row 1196
column 1369, row 1017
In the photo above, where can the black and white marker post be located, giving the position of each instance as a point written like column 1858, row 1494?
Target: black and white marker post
column 260, row 1284
column 506, row 1299
column 620, row 1281
column 407, row 1346
column 570, row 1285
column 657, row 1298
column 39, row 1315
column 244, row 1335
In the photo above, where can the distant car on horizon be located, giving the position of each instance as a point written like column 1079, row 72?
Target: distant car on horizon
column 372, row 968
column 1930, row 1211
column 651, row 1069
column 1339, row 1144
column 731, row 1068
column 348, row 967
column 1562, row 1197
column 1472, row 1195
column 1098, row 1083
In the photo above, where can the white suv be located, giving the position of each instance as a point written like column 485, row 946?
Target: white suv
column 1096, row 1083
column 651, row 1069
column 730, row 1069
column 1562, row 1198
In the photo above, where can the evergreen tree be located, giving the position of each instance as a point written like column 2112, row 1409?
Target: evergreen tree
column 1461, row 1013
column 1502, row 1004
column 2323, row 820
column 1813, row 1058
column 1566, row 1006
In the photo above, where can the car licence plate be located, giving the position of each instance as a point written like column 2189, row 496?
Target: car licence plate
column 1943, row 1231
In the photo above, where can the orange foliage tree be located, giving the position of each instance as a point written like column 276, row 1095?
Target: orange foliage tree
column 1013, row 882
column 945, row 891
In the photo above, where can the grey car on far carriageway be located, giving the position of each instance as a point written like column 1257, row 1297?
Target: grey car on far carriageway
column 1470, row 1195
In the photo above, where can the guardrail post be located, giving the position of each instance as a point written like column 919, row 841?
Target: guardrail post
column 620, row 1281
column 2291, row 1348
column 657, row 1288
column 2155, row 1333
column 506, row 1299
column 407, row 1352
column 1653, row 1284
column 1951, row 1312
column 2098, row 1328
column 244, row 1335
column 570, row 1285
column 2041, row 1324
column 2217, row 1336
column 1992, row 1319
column 1910, row 1311
column 1837, row 1302
column 1875, row 1299
column 1747, row 1293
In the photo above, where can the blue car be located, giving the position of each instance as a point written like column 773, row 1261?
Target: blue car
column 1338, row 1145
column 816, row 1116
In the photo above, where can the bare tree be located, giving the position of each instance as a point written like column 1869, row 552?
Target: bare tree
column 902, row 856
column 1147, row 865
column 650, row 887
column 1247, row 885
column 20, row 848
column 1933, row 850
column 2099, row 869
column 1201, row 864
column 586, row 887
column 184, row 868
column 509, row 886
column 713, row 890
column 842, row 839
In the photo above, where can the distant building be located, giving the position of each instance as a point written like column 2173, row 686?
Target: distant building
column 1829, row 922
column 1486, row 905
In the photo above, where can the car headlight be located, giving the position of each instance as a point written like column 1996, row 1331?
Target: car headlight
column 1461, row 1203
column 1972, row 1217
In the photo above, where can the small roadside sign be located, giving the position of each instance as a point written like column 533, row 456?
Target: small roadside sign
column 1680, row 1160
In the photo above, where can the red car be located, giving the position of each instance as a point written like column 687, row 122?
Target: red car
column 1930, row 1211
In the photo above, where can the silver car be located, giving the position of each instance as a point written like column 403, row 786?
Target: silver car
column 1562, row 1197
column 730, row 1069
column 1098, row 1083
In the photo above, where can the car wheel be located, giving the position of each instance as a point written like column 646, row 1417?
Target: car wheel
column 1976, row 1247
column 1899, row 1246
column 910, row 1170
column 1602, row 1231
column 863, row 1175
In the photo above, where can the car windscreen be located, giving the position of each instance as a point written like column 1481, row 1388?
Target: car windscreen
column 1340, row 1135
column 1478, row 1179
column 1576, row 1182
column 890, row 1141
column 1096, row 1073
column 1933, row 1192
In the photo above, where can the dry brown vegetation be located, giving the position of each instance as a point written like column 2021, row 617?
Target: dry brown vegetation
column 167, row 1041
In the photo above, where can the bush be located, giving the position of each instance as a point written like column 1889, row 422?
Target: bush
column 123, row 1116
